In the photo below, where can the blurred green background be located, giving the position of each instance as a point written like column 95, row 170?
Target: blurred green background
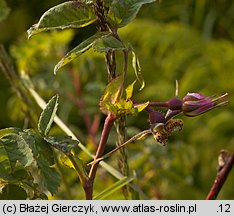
column 187, row 40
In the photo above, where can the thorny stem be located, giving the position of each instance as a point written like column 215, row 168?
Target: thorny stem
column 221, row 178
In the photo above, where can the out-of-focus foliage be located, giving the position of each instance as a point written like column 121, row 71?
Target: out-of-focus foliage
column 173, row 51
column 32, row 56
column 210, row 18
column 191, row 41
column 4, row 10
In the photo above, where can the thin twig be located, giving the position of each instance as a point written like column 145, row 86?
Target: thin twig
column 221, row 178
column 137, row 136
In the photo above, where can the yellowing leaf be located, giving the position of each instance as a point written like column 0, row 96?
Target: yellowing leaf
column 111, row 94
column 129, row 90
column 141, row 107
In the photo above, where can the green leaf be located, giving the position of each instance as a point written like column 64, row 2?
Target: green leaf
column 123, row 12
column 47, row 115
column 115, row 187
column 77, row 51
column 129, row 90
column 71, row 14
column 14, row 149
column 137, row 69
column 6, row 131
column 43, row 155
column 5, row 174
column 4, row 10
column 13, row 192
column 111, row 94
column 63, row 143
column 27, row 149
column 114, row 172
column 106, row 44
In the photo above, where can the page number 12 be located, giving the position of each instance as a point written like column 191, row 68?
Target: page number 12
column 224, row 208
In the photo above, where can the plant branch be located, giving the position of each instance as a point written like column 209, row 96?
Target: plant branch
column 152, row 104
column 42, row 104
column 137, row 136
column 221, row 178
column 100, row 150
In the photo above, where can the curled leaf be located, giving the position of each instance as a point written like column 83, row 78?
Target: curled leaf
column 137, row 69
column 47, row 116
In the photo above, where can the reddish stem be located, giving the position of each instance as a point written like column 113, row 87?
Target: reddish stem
column 221, row 178
column 99, row 153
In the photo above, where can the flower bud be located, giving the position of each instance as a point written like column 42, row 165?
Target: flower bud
column 195, row 104
column 156, row 117
column 174, row 104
